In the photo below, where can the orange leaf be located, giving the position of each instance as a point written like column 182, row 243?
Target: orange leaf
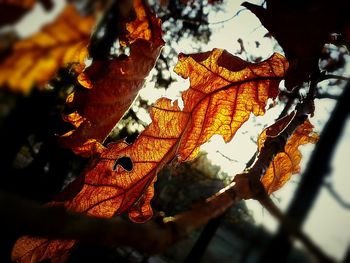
column 288, row 162
column 113, row 85
column 35, row 60
column 224, row 91
column 56, row 250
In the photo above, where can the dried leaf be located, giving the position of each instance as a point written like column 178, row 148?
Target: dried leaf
column 56, row 250
column 111, row 86
column 288, row 162
column 301, row 33
column 224, row 91
column 35, row 60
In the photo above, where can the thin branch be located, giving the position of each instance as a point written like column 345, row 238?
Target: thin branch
column 228, row 19
column 329, row 186
column 226, row 157
column 293, row 230
column 326, row 96
column 331, row 76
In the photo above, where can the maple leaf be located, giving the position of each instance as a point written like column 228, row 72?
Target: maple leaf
column 112, row 85
column 287, row 162
column 224, row 91
column 35, row 60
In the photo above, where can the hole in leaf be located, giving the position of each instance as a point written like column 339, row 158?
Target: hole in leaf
column 124, row 162
column 122, row 57
column 131, row 138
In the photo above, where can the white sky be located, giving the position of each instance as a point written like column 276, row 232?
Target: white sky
column 328, row 224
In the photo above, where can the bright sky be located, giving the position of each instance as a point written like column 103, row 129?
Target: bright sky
column 328, row 224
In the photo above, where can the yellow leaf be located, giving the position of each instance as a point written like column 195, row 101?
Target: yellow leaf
column 35, row 60
column 287, row 162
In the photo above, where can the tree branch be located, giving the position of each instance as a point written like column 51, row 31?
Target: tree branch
column 326, row 96
column 53, row 222
column 314, row 175
column 336, row 196
column 28, row 218
column 293, row 230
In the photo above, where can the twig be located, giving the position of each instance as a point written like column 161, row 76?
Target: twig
column 226, row 157
column 326, row 96
column 228, row 19
column 329, row 186
column 331, row 76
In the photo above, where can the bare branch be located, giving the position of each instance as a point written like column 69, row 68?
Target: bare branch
column 329, row 186
column 326, row 96
column 228, row 19
column 331, row 76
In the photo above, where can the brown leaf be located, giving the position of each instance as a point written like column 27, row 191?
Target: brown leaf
column 224, row 91
column 287, row 162
column 35, row 60
column 111, row 86
column 302, row 29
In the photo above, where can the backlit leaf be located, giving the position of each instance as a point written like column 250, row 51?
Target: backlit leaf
column 112, row 85
column 224, row 91
column 287, row 162
column 35, row 60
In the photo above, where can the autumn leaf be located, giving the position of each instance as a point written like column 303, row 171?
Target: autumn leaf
column 224, row 91
column 287, row 162
column 56, row 250
column 35, row 60
column 293, row 25
column 112, row 85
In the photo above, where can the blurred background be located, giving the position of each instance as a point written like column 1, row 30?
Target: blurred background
column 30, row 118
